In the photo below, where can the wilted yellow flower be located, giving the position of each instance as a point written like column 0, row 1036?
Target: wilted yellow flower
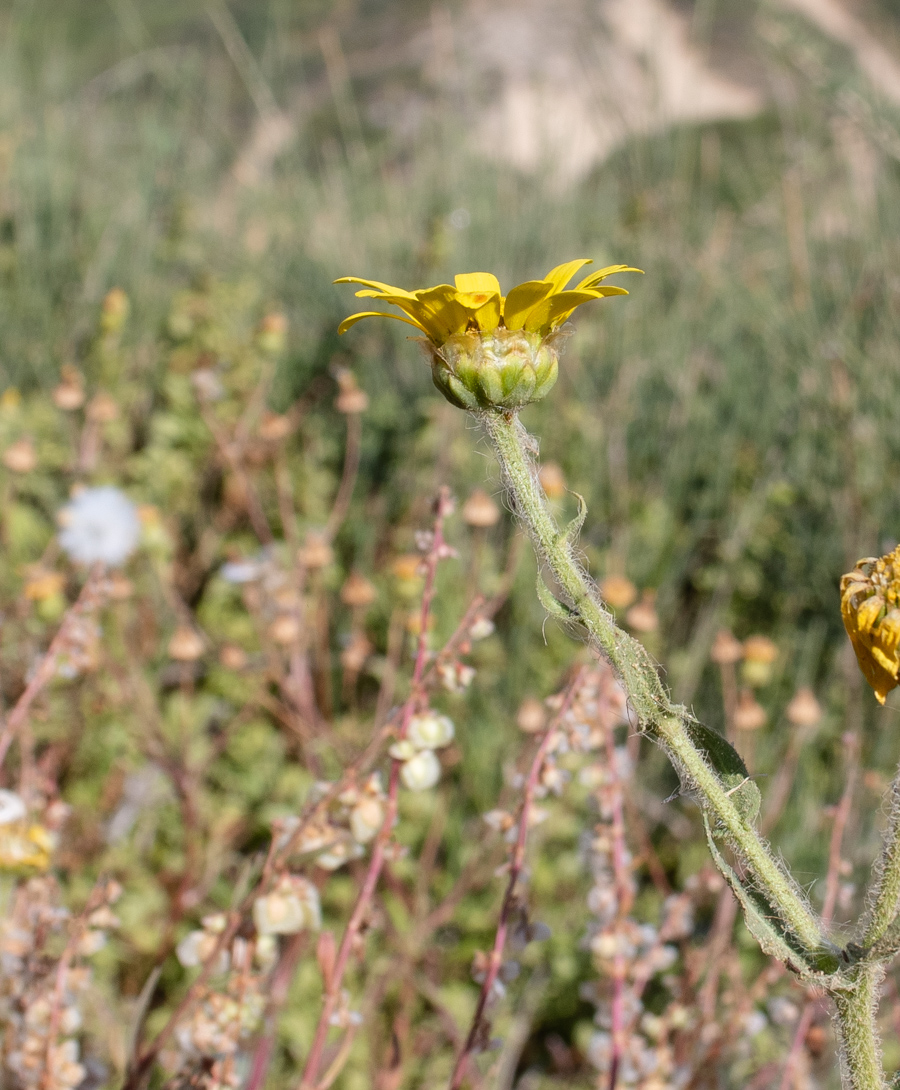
column 490, row 351
column 870, row 606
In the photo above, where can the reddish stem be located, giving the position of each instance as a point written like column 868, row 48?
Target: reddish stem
column 515, row 870
column 379, row 850
column 16, row 718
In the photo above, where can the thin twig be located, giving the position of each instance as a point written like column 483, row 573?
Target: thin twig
column 832, row 887
column 84, row 603
column 341, row 503
column 517, row 862
column 379, row 849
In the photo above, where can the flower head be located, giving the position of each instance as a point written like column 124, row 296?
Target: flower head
column 870, row 606
column 292, row 906
column 100, row 525
column 490, row 351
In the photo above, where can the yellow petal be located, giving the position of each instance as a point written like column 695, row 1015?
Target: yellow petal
column 422, row 313
column 868, row 613
column 484, row 309
column 556, row 309
column 601, row 274
column 522, row 299
column 354, row 318
column 889, row 629
column 385, row 289
column 441, row 312
column 477, row 282
column 562, row 274
column 887, row 662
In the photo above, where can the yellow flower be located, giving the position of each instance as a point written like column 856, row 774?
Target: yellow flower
column 870, row 606
column 24, row 847
column 490, row 351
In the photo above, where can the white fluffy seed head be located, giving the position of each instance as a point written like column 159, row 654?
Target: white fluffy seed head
column 12, row 808
column 100, row 525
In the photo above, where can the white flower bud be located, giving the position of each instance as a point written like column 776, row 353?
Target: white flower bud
column 266, row 952
column 402, row 751
column 292, row 906
column 430, row 731
column 481, row 629
column 90, row 942
column 421, row 772
column 366, row 819
column 339, row 853
column 195, row 948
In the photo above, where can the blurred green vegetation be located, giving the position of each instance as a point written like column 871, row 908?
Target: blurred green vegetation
column 732, row 425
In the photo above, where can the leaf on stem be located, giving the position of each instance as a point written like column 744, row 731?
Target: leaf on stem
column 821, row 966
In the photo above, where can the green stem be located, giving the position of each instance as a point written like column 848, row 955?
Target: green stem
column 860, row 1050
column 665, row 721
column 884, row 900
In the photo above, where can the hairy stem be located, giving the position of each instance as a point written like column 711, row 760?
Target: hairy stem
column 860, row 1050
column 884, row 900
column 664, row 721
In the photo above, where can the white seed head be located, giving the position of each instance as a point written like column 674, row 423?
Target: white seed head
column 100, row 525
column 12, row 808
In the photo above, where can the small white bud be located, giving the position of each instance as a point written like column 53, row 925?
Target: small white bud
column 430, row 731
column 481, row 629
column 422, row 771
column 292, row 906
column 402, row 751
column 366, row 819
column 195, row 948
